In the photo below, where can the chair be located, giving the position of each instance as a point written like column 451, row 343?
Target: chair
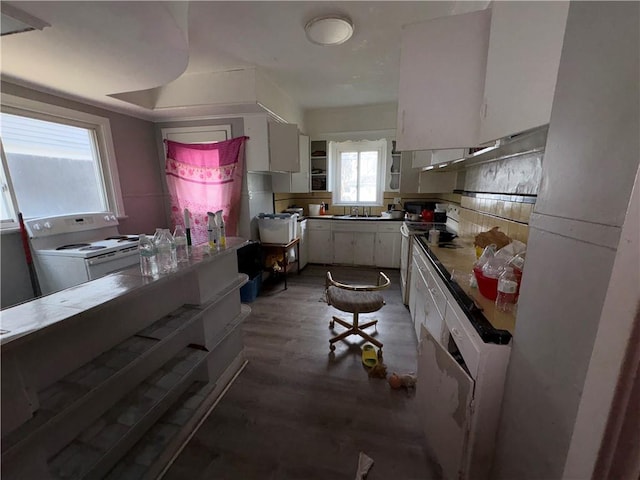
column 355, row 299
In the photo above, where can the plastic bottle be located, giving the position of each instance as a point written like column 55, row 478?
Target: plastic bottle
column 148, row 256
column 222, row 236
column 212, row 228
column 507, row 291
column 182, row 249
column 166, row 247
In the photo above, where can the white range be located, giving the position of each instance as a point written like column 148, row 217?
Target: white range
column 72, row 249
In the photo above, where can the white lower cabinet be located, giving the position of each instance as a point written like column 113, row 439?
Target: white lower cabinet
column 320, row 241
column 355, row 242
column 460, row 377
column 388, row 245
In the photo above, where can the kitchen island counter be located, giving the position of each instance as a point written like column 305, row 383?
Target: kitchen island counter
column 116, row 357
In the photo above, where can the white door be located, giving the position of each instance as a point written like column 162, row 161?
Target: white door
column 444, row 392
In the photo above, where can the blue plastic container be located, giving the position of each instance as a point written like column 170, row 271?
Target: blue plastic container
column 250, row 290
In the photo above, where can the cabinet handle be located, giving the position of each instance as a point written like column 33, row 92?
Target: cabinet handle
column 456, row 332
column 433, row 291
column 402, row 122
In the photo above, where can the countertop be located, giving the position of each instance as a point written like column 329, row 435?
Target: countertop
column 349, row 217
column 455, row 266
column 37, row 315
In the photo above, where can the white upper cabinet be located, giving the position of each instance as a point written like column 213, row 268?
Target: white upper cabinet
column 272, row 147
column 444, row 156
column 296, row 182
column 421, row 158
column 441, row 90
column 522, row 66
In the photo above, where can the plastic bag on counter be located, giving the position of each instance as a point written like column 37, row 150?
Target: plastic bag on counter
column 509, row 251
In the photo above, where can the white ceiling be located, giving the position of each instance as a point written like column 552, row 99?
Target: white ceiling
column 95, row 50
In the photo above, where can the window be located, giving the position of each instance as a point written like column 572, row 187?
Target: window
column 358, row 172
column 55, row 161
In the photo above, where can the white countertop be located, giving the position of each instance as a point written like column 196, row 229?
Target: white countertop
column 36, row 315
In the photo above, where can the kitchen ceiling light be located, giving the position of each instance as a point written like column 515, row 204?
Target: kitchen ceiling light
column 329, row 30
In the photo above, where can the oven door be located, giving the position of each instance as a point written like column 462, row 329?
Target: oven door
column 111, row 262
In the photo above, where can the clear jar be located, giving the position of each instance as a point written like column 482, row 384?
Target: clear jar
column 507, row 291
column 148, row 256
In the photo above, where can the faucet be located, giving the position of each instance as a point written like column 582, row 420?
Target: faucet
column 354, row 211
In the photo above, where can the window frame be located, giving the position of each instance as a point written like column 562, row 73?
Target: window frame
column 101, row 127
column 335, row 148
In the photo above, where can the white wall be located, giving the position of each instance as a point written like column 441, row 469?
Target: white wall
column 590, row 162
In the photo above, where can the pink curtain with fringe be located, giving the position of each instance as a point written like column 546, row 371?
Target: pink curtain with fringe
column 205, row 177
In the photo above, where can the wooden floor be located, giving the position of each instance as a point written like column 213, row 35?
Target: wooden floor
column 297, row 412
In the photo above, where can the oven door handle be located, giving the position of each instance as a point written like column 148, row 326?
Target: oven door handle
column 109, row 257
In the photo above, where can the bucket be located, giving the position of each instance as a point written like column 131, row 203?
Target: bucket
column 314, row 210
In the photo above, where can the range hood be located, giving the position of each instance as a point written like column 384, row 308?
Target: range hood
column 524, row 143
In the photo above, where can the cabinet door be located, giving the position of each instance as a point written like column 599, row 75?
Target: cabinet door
column 257, row 147
column 444, row 392
column 296, row 182
column 304, row 244
column 443, row 156
column 409, row 180
column 522, row 66
column 364, row 247
column 300, row 180
column 320, row 246
column 442, row 70
column 284, row 154
column 344, row 253
column 387, row 252
column 421, row 158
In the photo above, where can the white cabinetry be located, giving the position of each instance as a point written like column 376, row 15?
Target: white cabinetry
column 442, row 70
column 320, row 241
column 421, row 159
column 454, row 363
column 320, row 167
column 296, row 182
column 409, row 181
column 522, row 66
column 444, row 156
column 272, row 147
column 304, row 243
column 354, row 242
column 388, row 245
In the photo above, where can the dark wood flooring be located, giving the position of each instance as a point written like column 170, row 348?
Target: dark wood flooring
column 297, row 412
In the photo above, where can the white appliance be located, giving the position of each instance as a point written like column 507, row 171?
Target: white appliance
column 408, row 230
column 73, row 249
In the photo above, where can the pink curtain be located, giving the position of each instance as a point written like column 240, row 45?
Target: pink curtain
column 205, row 177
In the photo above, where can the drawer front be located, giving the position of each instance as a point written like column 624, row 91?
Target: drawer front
column 389, row 226
column 436, row 289
column 319, row 225
column 467, row 339
column 347, row 226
